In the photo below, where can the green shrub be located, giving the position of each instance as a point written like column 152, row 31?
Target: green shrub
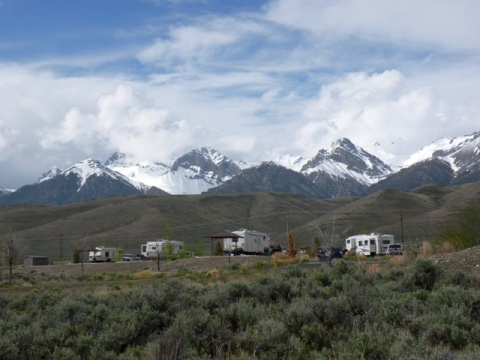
column 426, row 274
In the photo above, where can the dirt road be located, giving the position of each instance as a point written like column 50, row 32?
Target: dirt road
column 195, row 264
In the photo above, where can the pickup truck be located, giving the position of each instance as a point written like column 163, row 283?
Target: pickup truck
column 130, row 257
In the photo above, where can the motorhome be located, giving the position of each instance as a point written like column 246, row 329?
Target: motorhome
column 369, row 245
column 250, row 242
column 102, row 254
column 161, row 247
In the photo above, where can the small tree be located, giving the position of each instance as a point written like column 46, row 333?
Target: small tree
column 167, row 235
column 328, row 235
column 10, row 251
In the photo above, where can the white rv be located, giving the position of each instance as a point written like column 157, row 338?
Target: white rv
column 373, row 244
column 152, row 249
column 101, row 254
column 250, row 242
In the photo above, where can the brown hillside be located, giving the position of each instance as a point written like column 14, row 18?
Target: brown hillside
column 130, row 221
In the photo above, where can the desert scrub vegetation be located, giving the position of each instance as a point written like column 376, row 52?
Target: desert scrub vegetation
column 337, row 312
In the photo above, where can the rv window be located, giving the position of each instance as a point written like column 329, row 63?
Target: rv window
column 366, row 242
column 360, row 243
column 107, row 254
column 348, row 241
column 154, row 248
column 386, row 242
column 372, row 241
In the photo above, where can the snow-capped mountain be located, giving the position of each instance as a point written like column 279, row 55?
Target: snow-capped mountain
column 5, row 192
column 90, row 167
column 192, row 173
column 345, row 160
column 86, row 180
column 51, row 173
column 461, row 153
column 342, row 170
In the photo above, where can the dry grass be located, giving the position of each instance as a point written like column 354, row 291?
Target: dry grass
column 426, row 249
column 214, row 274
column 373, row 268
column 445, row 248
column 399, row 260
column 146, row 274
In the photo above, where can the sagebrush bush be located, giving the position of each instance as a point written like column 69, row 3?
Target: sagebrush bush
column 342, row 311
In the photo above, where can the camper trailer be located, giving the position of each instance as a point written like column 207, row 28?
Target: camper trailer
column 250, row 242
column 102, row 254
column 153, row 249
column 369, row 245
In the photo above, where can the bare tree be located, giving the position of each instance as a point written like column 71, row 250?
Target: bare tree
column 10, row 251
column 164, row 249
column 328, row 235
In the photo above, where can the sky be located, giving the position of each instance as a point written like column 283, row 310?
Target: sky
column 253, row 79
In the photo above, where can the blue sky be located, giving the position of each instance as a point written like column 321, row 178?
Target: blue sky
column 253, row 79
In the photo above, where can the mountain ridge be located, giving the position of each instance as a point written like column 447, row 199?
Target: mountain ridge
column 342, row 170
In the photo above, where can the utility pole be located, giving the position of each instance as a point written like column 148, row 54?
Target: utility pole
column 291, row 252
column 401, row 223
column 61, row 247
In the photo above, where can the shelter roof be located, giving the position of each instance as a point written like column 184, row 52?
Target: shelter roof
column 223, row 234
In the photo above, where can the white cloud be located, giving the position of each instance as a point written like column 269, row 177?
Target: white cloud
column 124, row 121
column 289, row 78
column 196, row 43
column 370, row 108
column 450, row 24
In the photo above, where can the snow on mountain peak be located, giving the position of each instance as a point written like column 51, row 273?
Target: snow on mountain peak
column 89, row 167
column 447, row 149
column 51, row 173
column 344, row 159
column 215, row 156
column 291, row 162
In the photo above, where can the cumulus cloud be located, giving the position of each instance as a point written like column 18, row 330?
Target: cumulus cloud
column 124, row 121
column 289, row 77
column 368, row 108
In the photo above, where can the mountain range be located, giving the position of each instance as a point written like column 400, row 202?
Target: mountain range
column 342, row 170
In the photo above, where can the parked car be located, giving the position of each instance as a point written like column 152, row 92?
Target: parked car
column 328, row 255
column 394, row 249
column 130, row 257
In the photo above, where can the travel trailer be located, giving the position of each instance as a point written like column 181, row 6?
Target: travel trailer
column 162, row 247
column 369, row 245
column 102, row 254
column 250, row 242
